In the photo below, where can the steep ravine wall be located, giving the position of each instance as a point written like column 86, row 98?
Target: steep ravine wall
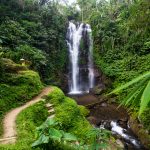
column 139, row 130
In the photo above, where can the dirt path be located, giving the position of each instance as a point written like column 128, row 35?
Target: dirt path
column 9, row 122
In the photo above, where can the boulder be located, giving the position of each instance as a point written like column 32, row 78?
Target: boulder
column 92, row 120
column 98, row 90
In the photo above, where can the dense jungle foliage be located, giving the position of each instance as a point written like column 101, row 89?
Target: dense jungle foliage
column 33, row 53
column 122, row 49
column 32, row 31
column 121, row 31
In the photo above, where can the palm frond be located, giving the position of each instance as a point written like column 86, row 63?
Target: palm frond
column 139, row 78
column 145, row 99
column 139, row 97
column 136, row 101
column 134, row 93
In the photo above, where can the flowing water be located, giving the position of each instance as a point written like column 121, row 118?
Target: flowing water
column 108, row 116
column 80, row 45
column 130, row 139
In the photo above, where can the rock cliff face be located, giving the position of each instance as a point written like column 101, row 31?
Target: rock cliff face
column 139, row 130
column 101, row 82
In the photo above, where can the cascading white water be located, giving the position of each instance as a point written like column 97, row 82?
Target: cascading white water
column 119, row 130
column 90, row 64
column 74, row 37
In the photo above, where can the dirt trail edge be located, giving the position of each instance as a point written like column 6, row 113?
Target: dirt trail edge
column 9, row 122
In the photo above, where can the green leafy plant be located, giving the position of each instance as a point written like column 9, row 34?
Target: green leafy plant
column 69, row 127
column 47, row 132
column 140, row 94
column 99, row 138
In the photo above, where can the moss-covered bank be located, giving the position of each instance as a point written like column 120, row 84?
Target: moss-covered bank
column 17, row 86
column 70, row 118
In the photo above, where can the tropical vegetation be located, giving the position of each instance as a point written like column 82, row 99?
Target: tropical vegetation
column 33, row 54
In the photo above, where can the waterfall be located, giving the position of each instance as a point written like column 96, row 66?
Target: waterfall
column 80, row 45
column 90, row 63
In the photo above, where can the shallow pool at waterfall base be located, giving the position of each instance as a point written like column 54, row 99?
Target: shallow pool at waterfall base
column 78, row 92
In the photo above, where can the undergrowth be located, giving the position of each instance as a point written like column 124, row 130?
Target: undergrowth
column 69, row 118
column 27, row 121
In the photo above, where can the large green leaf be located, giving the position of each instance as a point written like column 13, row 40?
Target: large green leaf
column 69, row 137
column 50, row 122
column 129, row 97
column 55, row 134
column 134, row 93
column 145, row 75
column 137, row 98
column 42, row 139
column 145, row 99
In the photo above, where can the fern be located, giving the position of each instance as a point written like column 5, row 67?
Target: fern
column 140, row 94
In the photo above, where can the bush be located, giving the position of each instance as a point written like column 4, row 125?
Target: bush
column 56, row 96
column 69, row 115
column 70, row 110
column 85, row 112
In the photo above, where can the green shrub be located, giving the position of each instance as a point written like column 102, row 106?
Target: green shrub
column 69, row 115
column 56, row 96
column 85, row 112
column 70, row 110
column 51, row 138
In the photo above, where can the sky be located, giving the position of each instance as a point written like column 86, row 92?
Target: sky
column 69, row 1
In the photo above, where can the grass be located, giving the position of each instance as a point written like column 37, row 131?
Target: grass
column 27, row 121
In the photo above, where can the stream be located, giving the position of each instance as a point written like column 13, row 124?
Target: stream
column 107, row 116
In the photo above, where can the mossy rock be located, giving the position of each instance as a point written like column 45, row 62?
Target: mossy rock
column 85, row 112
column 97, row 90
column 139, row 130
column 11, row 67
